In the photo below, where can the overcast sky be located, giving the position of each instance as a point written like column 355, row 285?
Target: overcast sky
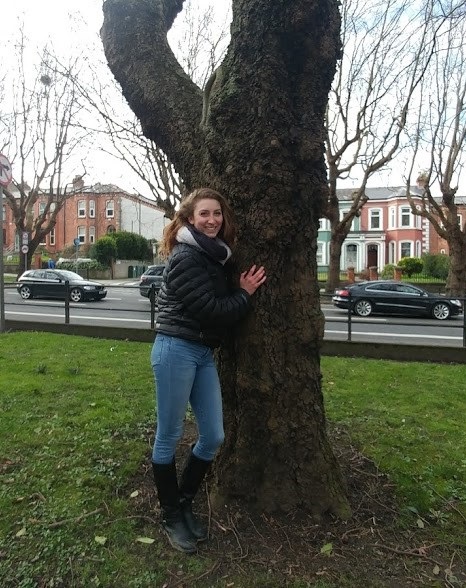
column 71, row 25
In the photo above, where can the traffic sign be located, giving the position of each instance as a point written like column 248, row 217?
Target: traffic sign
column 5, row 171
column 24, row 249
column 76, row 242
column 25, row 238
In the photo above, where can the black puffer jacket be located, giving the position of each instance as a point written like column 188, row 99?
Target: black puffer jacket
column 195, row 300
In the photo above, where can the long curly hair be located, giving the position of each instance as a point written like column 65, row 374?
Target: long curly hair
column 227, row 232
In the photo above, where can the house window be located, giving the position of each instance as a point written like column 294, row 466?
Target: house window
column 82, row 234
column 92, row 208
column 351, row 255
column 109, row 209
column 405, row 216
column 91, row 234
column 81, row 208
column 41, row 207
column 52, row 237
column 4, row 213
column 110, row 229
column 406, row 249
column 392, row 218
column 53, row 206
column 4, row 237
column 375, row 218
column 391, row 252
column 418, row 249
column 459, row 219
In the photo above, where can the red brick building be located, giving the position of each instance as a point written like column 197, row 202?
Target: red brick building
column 90, row 214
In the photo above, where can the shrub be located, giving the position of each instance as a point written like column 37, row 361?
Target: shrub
column 411, row 265
column 436, row 266
column 388, row 272
column 105, row 250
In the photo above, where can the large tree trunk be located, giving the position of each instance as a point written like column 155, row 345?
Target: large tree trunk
column 333, row 278
column 456, row 281
column 258, row 138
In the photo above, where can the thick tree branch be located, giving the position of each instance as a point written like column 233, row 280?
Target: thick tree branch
column 166, row 101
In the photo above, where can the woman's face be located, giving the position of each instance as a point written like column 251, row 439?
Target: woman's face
column 207, row 217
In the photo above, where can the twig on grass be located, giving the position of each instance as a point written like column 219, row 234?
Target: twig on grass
column 411, row 552
column 56, row 524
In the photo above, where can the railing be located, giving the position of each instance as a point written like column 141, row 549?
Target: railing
column 149, row 312
column 395, row 319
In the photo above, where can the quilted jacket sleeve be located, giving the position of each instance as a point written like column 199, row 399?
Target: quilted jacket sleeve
column 189, row 280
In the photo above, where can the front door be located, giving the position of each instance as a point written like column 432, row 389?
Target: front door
column 372, row 257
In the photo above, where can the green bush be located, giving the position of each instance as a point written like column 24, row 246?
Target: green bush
column 388, row 272
column 131, row 246
column 104, row 250
column 82, row 265
column 411, row 265
column 436, row 266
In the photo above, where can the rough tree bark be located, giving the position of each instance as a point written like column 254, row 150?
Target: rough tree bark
column 256, row 134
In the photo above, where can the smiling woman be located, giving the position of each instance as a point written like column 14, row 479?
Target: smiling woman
column 58, row 284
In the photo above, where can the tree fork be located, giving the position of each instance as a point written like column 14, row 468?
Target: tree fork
column 261, row 144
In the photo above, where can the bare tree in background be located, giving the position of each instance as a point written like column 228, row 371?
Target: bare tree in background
column 40, row 135
column 440, row 132
column 199, row 47
column 385, row 54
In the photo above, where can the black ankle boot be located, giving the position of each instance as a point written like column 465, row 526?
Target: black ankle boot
column 191, row 478
column 173, row 522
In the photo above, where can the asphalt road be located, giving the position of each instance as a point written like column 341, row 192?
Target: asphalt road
column 125, row 307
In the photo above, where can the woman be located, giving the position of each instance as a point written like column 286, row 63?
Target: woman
column 197, row 306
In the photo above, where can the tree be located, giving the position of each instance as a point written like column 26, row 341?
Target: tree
column 105, row 250
column 199, row 48
column 386, row 49
column 130, row 245
column 255, row 134
column 41, row 138
column 440, row 132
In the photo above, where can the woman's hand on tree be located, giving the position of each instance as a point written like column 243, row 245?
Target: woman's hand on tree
column 252, row 279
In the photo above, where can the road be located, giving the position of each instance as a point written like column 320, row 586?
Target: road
column 125, row 307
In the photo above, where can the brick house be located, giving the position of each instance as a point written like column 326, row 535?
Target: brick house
column 385, row 231
column 91, row 213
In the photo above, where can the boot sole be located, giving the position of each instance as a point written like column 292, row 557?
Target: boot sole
column 179, row 547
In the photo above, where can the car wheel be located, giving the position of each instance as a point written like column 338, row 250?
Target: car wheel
column 76, row 295
column 441, row 311
column 363, row 308
column 25, row 292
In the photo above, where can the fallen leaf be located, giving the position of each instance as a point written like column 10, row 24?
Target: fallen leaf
column 100, row 540
column 146, row 540
column 436, row 570
column 420, row 523
column 134, row 494
column 21, row 532
column 327, row 549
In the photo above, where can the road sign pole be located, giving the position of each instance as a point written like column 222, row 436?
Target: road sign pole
column 2, row 275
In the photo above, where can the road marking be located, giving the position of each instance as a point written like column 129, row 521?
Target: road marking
column 396, row 335
column 93, row 318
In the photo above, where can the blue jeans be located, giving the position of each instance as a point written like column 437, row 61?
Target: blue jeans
column 185, row 372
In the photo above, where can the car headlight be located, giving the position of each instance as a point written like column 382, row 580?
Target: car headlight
column 89, row 287
column 456, row 302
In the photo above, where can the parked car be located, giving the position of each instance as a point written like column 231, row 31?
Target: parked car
column 152, row 275
column 50, row 283
column 392, row 297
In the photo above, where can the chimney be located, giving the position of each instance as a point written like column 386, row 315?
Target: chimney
column 78, row 183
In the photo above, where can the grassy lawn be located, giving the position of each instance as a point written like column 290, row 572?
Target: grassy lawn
column 74, row 420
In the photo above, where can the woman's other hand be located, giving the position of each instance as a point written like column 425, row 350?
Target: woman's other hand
column 252, row 279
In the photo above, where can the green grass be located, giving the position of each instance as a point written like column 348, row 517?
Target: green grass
column 409, row 417
column 74, row 419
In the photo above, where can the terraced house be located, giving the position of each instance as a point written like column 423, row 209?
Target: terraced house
column 385, row 232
